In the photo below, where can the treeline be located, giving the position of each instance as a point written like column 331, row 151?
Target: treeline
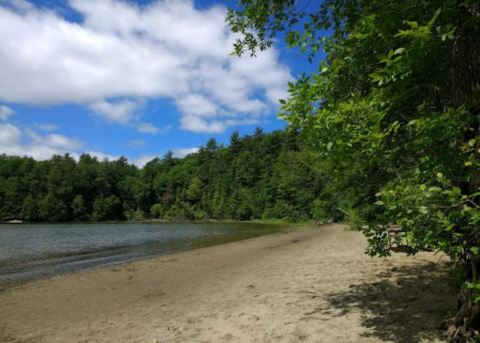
column 260, row 176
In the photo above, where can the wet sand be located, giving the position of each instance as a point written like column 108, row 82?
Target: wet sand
column 309, row 285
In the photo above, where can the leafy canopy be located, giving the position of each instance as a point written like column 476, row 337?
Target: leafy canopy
column 393, row 111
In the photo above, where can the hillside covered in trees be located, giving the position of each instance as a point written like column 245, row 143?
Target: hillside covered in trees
column 261, row 176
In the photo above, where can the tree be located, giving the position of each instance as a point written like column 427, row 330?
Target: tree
column 108, row 208
column 393, row 110
column 53, row 209
column 194, row 190
column 30, row 209
column 79, row 210
column 157, row 211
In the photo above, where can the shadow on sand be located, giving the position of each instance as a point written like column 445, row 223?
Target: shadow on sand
column 406, row 305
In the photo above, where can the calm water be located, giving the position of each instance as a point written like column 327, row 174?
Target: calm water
column 37, row 250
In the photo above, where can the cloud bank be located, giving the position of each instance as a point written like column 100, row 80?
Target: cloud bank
column 42, row 146
column 121, row 51
column 14, row 141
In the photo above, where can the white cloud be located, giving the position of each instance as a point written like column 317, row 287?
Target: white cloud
column 121, row 112
column 143, row 160
column 151, row 129
column 167, row 49
column 29, row 143
column 5, row 112
column 48, row 127
column 54, row 141
column 199, row 124
column 62, row 142
column 182, row 152
column 9, row 134
column 197, row 105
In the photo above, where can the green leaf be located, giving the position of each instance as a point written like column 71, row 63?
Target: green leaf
column 435, row 189
column 412, row 24
column 475, row 251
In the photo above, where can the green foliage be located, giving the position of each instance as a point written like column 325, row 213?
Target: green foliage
column 157, row 211
column 79, row 211
column 108, row 208
column 319, row 211
column 52, row 208
column 30, row 209
column 261, row 176
column 194, row 190
column 393, row 111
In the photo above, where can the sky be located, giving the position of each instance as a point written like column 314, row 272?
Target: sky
column 131, row 78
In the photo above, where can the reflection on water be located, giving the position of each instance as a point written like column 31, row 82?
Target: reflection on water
column 29, row 251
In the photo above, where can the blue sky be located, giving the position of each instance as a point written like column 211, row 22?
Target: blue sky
column 137, row 79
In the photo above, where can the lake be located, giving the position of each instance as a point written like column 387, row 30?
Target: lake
column 30, row 251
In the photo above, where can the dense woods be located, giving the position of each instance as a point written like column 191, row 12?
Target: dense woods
column 261, row 176
column 394, row 111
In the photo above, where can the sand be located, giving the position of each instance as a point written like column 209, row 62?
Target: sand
column 309, row 285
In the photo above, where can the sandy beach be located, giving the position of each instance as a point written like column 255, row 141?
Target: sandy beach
column 308, row 285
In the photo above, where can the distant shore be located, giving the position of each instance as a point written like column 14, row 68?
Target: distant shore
column 169, row 221
column 312, row 285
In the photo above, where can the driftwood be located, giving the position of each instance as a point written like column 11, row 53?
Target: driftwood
column 395, row 229
column 396, row 232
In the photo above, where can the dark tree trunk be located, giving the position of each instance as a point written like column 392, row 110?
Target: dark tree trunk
column 464, row 90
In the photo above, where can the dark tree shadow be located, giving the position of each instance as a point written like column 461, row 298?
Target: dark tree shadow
column 406, row 305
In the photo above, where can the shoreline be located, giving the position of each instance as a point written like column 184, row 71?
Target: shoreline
column 311, row 284
column 210, row 242
column 169, row 221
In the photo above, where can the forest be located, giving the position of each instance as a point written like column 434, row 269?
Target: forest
column 260, row 176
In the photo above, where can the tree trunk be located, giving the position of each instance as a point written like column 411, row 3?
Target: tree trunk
column 464, row 86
